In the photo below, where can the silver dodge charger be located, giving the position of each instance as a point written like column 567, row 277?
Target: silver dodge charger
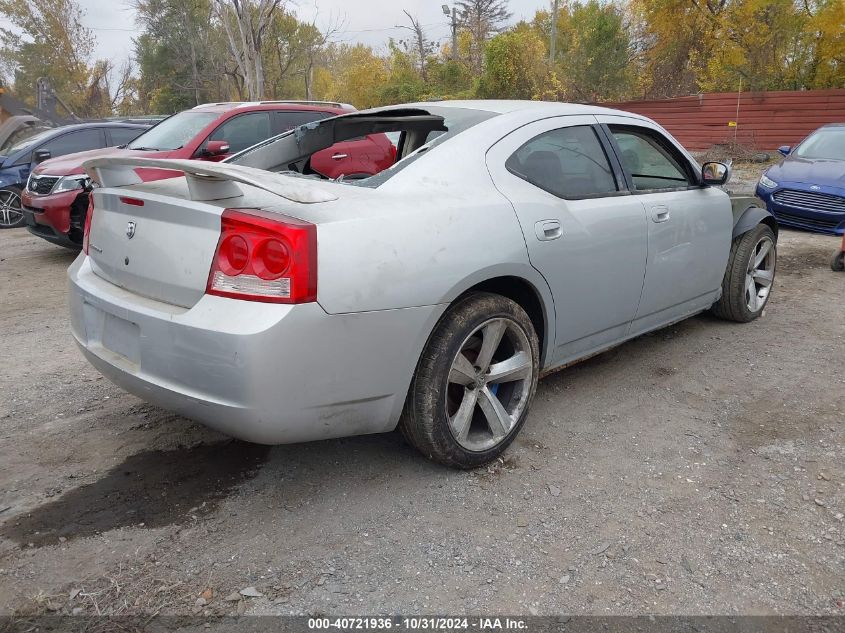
column 508, row 239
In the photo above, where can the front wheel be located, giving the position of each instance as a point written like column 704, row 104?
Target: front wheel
column 11, row 214
column 749, row 277
column 474, row 383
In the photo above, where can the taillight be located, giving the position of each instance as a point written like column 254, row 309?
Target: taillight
column 264, row 256
column 87, row 230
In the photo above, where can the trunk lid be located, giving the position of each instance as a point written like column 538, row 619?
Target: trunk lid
column 157, row 246
column 158, row 239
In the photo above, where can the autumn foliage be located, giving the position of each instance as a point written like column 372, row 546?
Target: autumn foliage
column 193, row 51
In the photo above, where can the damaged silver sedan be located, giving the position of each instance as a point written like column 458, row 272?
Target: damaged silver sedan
column 508, row 239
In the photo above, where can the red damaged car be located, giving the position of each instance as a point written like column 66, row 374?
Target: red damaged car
column 55, row 200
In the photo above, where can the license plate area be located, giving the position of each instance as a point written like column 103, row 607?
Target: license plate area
column 114, row 334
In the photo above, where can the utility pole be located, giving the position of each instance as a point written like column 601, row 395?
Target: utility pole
column 553, row 43
column 454, row 15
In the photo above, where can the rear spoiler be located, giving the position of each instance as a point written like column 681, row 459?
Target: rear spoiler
column 206, row 181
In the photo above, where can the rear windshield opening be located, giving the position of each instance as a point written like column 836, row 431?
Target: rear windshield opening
column 363, row 148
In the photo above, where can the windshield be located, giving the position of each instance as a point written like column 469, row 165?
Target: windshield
column 827, row 143
column 174, row 132
column 34, row 136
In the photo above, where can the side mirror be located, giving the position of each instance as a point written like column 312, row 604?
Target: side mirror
column 785, row 149
column 713, row 173
column 40, row 155
column 215, row 148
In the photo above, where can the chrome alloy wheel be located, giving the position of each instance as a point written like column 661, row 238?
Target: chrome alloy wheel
column 760, row 274
column 10, row 208
column 489, row 384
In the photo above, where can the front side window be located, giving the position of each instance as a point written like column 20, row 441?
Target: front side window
column 649, row 162
column 243, row 131
column 568, row 162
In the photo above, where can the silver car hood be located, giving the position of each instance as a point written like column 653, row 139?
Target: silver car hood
column 206, row 180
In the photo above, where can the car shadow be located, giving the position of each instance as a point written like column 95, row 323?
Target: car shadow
column 162, row 487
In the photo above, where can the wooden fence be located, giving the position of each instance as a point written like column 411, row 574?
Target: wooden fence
column 765, row 121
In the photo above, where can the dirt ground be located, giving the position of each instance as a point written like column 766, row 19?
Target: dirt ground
column 696, row 470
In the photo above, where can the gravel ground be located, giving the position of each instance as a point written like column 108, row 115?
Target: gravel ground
column 695, row 470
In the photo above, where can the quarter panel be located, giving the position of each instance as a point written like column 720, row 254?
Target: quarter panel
column 418, row 240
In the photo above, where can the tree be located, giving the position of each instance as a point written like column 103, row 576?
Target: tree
column 245, row 22
column 515, row 66
column 692, row 45
column 482, row 19
column 786, row 45
column 420, row 45
column 595, row 59
column 673, row 36
column 292, row 50
column 177, row 53
column 404, row 81
column 827, row 24
column 51, row 43
column 358, row 75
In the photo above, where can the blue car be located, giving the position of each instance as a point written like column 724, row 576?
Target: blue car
column 807, row 188
column 21, row 157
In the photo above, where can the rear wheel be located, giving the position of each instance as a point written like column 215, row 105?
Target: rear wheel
column 749, row 277
column 837, row 264
column 474, row 383
column 11, row 214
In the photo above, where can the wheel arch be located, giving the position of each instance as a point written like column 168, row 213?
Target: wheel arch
column 523, row 285
column 747, row 215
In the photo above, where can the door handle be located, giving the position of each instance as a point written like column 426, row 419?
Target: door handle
column 659, row 214
column 547, row 230
column 340, row 156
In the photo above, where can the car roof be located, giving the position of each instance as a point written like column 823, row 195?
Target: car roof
column 507, row 106
column 317, row 106
column 832, row 125
column 99, row 124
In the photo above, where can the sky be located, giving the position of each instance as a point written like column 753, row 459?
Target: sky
column 370, row 22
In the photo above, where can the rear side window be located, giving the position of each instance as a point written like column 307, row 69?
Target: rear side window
column 649, row 162
column 122, row 135
column 568, row 162
column 72, row 142
column 243, row 131
column 287, row 120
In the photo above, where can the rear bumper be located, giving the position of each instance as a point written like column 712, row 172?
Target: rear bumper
column 265, row 373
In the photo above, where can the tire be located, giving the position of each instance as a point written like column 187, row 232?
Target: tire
column 451, row 413
column 11, row 215
column 748, row 264
column 837, row 264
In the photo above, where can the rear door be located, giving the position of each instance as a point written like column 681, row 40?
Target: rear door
column 342, row 158
column 347, row 158
column 689, row 226
column 585, row 233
